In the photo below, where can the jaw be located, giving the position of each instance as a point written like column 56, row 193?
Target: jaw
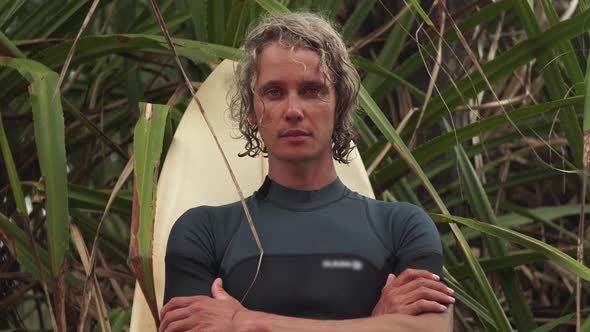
column 300, row 157
column 301, row 173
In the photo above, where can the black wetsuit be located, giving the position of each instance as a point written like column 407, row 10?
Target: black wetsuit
column 327, row 252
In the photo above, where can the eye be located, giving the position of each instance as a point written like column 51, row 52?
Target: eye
column 312, row 91
column 273, row 92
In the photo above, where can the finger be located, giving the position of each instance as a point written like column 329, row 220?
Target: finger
column 177, row 326
column 410, row 274
column 424, row 306
column 425, row 293
column 175, row 302
column 390, row 279
column 422, row 282
column 217, row 290
column 172, row 318
column 388, row 283
column 178, row 302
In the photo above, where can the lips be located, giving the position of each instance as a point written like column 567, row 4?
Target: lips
column 295, row 136
column 294, row 133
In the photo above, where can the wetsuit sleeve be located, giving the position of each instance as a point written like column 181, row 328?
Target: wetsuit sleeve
column 418, row 244
column 190, row 256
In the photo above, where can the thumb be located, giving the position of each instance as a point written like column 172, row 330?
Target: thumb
column 390, row 278
column 217, row 290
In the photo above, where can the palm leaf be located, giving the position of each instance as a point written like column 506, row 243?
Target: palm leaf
column 147, row 147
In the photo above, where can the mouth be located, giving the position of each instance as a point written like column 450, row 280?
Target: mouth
column 294, row 135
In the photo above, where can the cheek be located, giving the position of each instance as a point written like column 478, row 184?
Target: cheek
column 331, row 121
column 252, row 118
column 258, row 111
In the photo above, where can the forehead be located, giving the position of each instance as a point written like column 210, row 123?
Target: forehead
column 276, row 61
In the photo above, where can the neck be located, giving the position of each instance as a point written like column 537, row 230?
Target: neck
column 302, row 175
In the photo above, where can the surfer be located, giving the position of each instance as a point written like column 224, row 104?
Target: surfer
column 334, row 259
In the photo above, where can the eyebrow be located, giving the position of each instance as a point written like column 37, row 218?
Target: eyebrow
column 271, row 83
column 315, row 82
column 304, row 83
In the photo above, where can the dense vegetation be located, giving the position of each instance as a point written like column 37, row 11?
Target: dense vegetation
column 482, row 127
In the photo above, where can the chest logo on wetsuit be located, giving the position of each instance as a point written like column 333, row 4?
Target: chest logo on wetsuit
column 346, row 264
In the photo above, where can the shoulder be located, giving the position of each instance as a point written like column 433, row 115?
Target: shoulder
column 204, row 225
column 417, row 233
column 402, row 222
column 415, row 221
column 410, row 213
column 191, row 220
column 202, row 216
column 399, row 212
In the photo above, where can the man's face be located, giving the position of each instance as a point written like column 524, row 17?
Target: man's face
column 294, row 104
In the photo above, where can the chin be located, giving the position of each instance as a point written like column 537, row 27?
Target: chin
column 295, row 156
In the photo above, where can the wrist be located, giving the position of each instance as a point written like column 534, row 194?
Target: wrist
column 248, row 321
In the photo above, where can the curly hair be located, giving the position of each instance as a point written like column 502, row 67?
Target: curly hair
column 299, row 30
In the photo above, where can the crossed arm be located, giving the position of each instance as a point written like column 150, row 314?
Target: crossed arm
column 413, row 301
column 386, row 323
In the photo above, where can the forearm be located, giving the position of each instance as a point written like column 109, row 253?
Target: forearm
column 263, row 322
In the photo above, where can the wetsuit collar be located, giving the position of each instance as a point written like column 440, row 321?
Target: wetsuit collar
column 297, row 199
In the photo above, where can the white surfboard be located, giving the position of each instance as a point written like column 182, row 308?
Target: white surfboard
column 194, row 174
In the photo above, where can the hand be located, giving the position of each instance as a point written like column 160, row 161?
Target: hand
column 201, row 313
column 413, row 292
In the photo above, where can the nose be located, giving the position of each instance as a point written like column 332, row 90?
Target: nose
column 294, row 110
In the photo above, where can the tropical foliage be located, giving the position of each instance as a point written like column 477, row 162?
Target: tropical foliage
column 475, row 111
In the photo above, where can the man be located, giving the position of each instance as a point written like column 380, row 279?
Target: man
column 334, row 260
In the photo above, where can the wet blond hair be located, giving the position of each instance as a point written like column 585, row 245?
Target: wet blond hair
column 299, row 30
